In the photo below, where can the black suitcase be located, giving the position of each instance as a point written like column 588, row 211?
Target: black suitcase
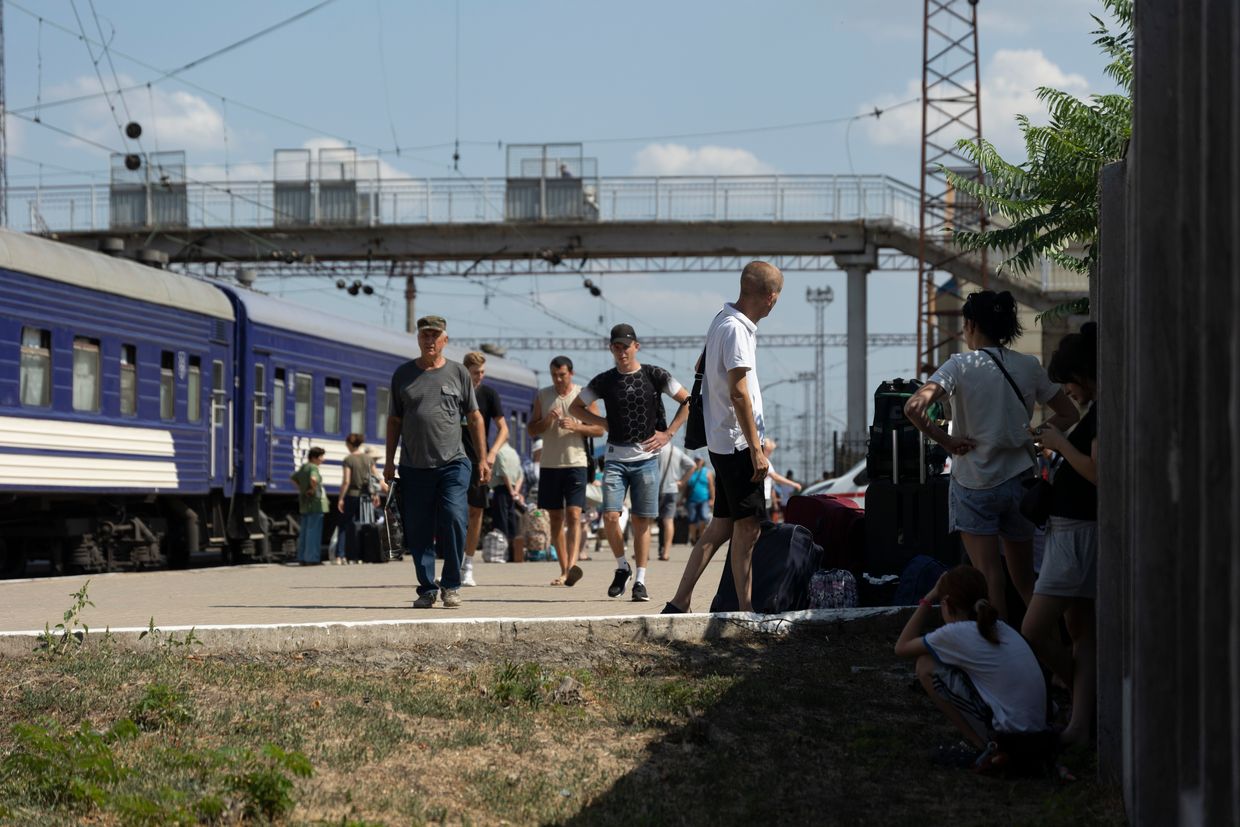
column 369, row 544
column 784, row 561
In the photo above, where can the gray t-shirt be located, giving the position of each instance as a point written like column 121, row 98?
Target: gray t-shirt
column 430, row 405
column 674, row 463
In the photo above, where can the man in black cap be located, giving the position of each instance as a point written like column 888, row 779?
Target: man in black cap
column 430, row 397
column 637, row 430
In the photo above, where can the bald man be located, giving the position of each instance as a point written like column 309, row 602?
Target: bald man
column 732, row 405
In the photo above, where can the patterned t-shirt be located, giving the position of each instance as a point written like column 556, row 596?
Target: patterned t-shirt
column 634, row 408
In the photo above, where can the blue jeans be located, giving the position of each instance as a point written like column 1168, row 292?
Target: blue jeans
column 640, row 479
column 310, row 540
column 435, row 512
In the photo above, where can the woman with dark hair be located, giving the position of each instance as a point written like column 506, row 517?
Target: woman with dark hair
column 354, row 485
column 978, row 670
column 993, row 391
column 1068, row 582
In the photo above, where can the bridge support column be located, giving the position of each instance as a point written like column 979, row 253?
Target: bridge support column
column 857, row 266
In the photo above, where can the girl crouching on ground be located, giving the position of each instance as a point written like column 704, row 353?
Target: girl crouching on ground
column 978, row 670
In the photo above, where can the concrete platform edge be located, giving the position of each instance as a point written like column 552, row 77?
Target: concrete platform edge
column 294, row 637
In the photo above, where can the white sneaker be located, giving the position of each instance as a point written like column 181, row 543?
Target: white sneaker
column 467, row 576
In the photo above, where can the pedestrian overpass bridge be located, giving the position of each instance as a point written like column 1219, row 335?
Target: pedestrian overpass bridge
column 481, row 226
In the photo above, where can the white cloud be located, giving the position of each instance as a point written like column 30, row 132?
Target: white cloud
column 176, row 120
column 677, row 159
column 1009, row 87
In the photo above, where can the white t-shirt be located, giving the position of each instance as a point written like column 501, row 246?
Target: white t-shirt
column 731, row 342
column 1006, row 674
column 674, row 463
column 985, row 409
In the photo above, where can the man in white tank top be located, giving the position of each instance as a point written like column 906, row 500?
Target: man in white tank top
column 562, row 472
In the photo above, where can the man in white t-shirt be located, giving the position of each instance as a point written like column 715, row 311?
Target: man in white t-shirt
column 732, row 408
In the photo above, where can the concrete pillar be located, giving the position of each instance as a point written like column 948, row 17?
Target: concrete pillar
column 857, row 266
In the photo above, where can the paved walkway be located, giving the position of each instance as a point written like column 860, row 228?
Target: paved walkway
column 293, row 594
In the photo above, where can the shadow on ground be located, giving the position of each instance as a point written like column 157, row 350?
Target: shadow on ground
column 822, row 727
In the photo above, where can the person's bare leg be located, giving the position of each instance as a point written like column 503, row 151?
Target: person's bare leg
column 1041, row 629
column 641, row 539
column 556, row 518
column 573, row 537
column 1019, row 557
column 983, row 551
column 718, row 532
column 744, row 537
column 925, row 674
column 615, row 537
column 473, row 531
column 1080, row 617
column 666, row 527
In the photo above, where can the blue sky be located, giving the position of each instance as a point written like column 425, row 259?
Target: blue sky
column 364, row 71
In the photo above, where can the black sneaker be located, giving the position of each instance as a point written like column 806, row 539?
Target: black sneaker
column 672, row 609
column 618, row 582
column 639, row 593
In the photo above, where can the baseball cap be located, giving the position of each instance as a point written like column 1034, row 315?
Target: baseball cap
column 433, row 322
column 623, row 333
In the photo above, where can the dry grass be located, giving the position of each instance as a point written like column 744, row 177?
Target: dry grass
column 784, row 731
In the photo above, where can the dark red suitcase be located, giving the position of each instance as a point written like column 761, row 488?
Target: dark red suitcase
column 838, row 525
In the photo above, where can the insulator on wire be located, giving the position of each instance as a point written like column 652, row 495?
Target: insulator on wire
column 368, row 290
column 340, row 284
column 133, row 162
column 133, row 129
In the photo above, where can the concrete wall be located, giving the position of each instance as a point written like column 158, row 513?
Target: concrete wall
column 1169, row 309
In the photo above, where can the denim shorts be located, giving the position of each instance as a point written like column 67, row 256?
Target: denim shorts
column 989, row 511
column 640, row 479
column 699, row 512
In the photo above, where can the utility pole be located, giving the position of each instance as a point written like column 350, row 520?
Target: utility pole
column 411, row 297
column 819, row 298
column 4, row 146
column 951, row 109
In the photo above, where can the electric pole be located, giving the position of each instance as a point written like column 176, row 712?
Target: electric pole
column 819, row 298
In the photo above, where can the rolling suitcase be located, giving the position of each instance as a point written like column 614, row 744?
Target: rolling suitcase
column 905, row 519
column 838, row 525
column 892, row 428
column 784, row 561
column 370, row 546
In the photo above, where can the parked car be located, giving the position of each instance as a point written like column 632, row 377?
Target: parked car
column 852, row 485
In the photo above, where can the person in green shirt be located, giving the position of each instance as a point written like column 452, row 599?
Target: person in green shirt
column 312, row 505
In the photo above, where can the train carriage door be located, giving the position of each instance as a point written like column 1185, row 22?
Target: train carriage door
column 260, row 452
column 220, row 460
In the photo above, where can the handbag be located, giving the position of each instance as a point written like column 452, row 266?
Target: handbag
column 695, row 425
column 1035, row 503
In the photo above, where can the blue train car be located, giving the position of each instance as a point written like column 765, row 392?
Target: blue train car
column 114, row 406
column 305, row 379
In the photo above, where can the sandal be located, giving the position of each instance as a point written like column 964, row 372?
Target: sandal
column 559, row 581
column 665, row 557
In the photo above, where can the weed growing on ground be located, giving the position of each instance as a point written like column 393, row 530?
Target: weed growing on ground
column 161, row 706
column 169, row 640
column 55, row 640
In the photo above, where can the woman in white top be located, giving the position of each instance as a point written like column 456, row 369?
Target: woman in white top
column 989, row 440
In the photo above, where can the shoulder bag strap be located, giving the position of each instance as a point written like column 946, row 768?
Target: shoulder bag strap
column 1021, row 398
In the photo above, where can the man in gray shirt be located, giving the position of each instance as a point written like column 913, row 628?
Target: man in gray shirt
column 429, row 397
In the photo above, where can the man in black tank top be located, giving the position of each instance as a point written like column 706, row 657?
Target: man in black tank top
column 637, row 430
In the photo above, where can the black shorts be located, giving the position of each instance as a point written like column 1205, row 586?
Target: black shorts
column 737, row 496
column 560, row 488
column 476, row 496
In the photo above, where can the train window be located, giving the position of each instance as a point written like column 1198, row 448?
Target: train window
column 218, row 406
column 277, row 400
column 129, row 380
column 382, row 395
column 357, row 410
column 193, row 389
column 302, row 390
column 331, row 406
column 85, row 374
column 36, row 368
column 167, row 386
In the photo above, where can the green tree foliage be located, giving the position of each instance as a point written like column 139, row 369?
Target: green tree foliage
column 1050, row 202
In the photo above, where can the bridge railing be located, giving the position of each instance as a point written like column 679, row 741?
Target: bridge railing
column 254, row 204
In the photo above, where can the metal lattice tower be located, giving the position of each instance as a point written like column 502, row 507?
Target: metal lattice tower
column 951, row 110
column 819, row 298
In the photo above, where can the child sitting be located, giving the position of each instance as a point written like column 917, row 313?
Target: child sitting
column 978, row 670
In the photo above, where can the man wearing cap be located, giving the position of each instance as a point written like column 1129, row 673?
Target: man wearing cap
column 732, row 409
column 430, row 396
column 637, row 430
